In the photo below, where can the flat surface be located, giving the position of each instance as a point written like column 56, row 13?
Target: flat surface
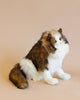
column 65, row 90
column 21, row 25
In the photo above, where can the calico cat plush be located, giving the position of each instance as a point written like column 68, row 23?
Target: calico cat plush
column 43, row 61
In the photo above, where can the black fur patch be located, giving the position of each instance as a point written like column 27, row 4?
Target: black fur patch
column 23, row 73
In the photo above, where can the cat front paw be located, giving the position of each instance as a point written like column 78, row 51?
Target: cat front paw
column 52, row 81
column 65, row 76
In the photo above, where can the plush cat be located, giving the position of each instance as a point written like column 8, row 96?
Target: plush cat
column 43, row 61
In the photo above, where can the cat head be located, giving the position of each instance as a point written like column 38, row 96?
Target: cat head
column 54, row 41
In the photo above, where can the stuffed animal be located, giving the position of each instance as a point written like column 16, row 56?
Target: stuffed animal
column 44, row 60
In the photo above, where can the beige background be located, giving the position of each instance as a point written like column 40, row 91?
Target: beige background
column 21, row 25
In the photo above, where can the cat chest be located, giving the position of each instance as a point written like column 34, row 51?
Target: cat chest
column 54, row 64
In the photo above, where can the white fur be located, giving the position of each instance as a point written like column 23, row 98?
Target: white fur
column 48, row 78
column 56, row 60
column 29, row 69
column 54, row 64
column 62, row 75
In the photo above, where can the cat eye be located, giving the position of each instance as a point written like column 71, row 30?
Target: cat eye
column 55, row 41
column 60, row 38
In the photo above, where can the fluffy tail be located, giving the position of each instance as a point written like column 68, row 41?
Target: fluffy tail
column 18, row 77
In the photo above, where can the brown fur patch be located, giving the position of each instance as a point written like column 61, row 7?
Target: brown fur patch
column 38, row 55
column 48, row 42
column 40, row 52
column 17, row 77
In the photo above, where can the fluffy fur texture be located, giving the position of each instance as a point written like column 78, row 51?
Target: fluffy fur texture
column 43, row 61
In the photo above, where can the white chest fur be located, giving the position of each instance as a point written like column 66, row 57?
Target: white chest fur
column 55, row 60
column 54, row 64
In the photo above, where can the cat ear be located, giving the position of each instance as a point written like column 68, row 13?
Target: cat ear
column 49, row 37
column 60, row 30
